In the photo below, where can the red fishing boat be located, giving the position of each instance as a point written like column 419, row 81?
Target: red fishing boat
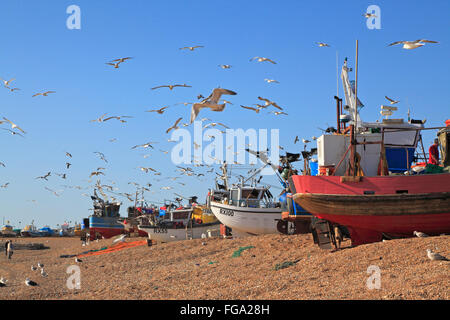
column 369, row 185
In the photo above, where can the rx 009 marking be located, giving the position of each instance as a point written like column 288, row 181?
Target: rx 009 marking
column 227, row 212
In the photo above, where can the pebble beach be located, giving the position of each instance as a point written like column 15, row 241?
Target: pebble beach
column 272, row 267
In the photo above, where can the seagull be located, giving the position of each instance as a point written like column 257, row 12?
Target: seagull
column 296, row 139
column 45, row 176
column 225, row 66
column 369, row 15
column 174, row 126
column 42, row 93
column 6, row 82
column 2, row 164
column 435, row 256
column 392, row 101
column 13, row 89
column 146, row 169
column 68, row 165
column 171, row 86
column 117, row 117
column 117, row 62
column 314, row 138
column 261, row 59
column 33, row 268
column 321, row 44
column 96, row 173
column 121, row 238
column 412, row 44
column 271, row 80
column 13, row 125
column 145, row 145
column 210, row 102
column 251, row 108
column 305, row 141
column 166, row 188
column 270, row 103
column 101, row 155
column 192, row 48
column 160, row 111
column 78, row 260
column 100, row 119
column 3, row 282
column 420, row 234
column 30, row 283
column 13, row 132
column 5, row 185
column 68, row 154
column 277, row 113
column 200, row 96
column 43, row 273
column 213, row 124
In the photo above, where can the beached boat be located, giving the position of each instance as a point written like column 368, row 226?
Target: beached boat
column 30, row 231
column 104, row 222
column 248, row 210
column 183, row 224
column 7, row 231
column 46, row 232
column 375, row 192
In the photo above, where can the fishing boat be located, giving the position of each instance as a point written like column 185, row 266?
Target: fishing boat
column 253, row 210
column 7, row 231
column 366, row 180
column 46, row 232
column 30, row 231
column 182, row 223
column 104, row 222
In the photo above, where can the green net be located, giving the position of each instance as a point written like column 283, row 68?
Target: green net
column 237, row 253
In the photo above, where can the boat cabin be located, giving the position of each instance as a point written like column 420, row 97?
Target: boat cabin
column 252, row 197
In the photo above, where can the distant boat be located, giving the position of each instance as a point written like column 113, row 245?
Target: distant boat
column 46, row 232
column 183, row 224
column 30, row 231
column 7, row 231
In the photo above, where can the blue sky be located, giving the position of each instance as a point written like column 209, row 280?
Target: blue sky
column 43, row 54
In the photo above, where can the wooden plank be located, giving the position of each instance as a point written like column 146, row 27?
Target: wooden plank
column 351, row 179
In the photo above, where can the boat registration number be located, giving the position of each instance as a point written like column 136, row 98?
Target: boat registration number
column 227, row 212
column 159, row 230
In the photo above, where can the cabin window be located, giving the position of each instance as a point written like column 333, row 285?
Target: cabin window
column 401, row 191
column 250, row 194
column 234, row 194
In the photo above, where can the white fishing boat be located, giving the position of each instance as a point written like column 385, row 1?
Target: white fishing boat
column 183, row 224
column 248, row 210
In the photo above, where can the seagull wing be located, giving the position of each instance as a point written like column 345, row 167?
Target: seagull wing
column 396, row 42
column 427, row 41
column 218, row 92
column 196, row 107
column 159, row 87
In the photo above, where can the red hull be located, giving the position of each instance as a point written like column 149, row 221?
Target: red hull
column 367, row 228
column 105, row 232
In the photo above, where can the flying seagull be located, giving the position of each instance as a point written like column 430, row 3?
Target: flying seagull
column 412, row 44
column 392, row 101
column 261, row 59
column 13, row 125
column 251, row 108
column 101, row 155
column 171, row 86
column 100, row 119
column 145, row 145
column 321, row 44
column 369, row 15
column 296, row 139
column 117, row 62
column 13, row 132
column 213, row 124
column 225, row 66
column 277, row 113
column 68, row 154
column 210, row 102
column 270, row 103
column 271, row 80
column 42, row 93
column 192, row 48
column 160, row 111
column 45, row 176
column 174, row 126
column 6, row 82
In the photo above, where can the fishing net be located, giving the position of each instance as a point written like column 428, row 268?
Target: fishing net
column 237, row 253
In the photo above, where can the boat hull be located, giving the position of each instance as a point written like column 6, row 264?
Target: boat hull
column 162, row 234
column 393, row 205
column 106, row 227
column 247, row 220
